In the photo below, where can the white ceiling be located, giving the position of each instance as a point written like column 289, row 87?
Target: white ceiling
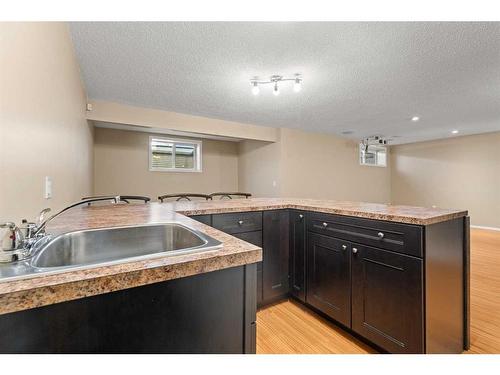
column 368, row 78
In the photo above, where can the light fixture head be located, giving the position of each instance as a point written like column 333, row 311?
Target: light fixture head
column 297, row 85
column 276, row 90
column 454, row 131
column 255, row 88
column 415, row 118
column 275, row 80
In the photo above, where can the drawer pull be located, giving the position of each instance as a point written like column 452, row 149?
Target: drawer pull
column 380, row 235
column 354, row 250
column 240, row 222
column 344, row 247
column 325, row 225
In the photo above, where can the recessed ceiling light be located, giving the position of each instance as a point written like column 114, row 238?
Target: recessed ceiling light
column 454, row 132
column 415, row 118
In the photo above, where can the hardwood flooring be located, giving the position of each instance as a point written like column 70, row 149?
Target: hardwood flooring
column 289, row 328
column 485, row 291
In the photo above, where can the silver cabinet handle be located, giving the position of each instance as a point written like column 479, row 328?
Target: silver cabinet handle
column 380, row 235
column 354, row 250
column 301, row 216
column 240, row 222
column 344, row 247
column 325, row 225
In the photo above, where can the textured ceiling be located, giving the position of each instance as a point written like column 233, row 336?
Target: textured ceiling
column 368, row 78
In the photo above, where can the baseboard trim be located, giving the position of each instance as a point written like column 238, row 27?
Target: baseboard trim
column 488, row 228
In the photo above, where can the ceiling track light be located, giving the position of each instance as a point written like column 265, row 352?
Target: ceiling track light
column 255, row 88
column 274, row 80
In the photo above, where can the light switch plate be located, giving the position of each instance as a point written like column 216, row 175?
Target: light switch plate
column 48, row 187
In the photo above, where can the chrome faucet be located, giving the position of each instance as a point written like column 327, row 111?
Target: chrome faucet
column 18, row 246
column 41, row 227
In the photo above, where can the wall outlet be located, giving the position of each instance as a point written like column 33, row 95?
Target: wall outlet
column 274, row 183
column 48, row 187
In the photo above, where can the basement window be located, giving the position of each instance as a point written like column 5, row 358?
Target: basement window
column 174, row 155
column 373, row 155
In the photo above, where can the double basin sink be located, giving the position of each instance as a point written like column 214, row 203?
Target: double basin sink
column 109, row 246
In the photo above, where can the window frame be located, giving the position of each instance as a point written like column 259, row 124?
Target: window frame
column 373, row 165
column 174, row 140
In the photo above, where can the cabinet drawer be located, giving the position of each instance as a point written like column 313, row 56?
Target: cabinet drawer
column 205, row 219
column 401, row 238
column 238, row 222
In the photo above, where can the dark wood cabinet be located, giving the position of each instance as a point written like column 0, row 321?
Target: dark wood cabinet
column 366, row 274
column 387, row 299
column 276, row 252
column 205, row 219
column 397, row 237
column 246, row 226
column 254, row 238
column 213, row 312
column 329, row 276
column 298, row 255
column 238, row 222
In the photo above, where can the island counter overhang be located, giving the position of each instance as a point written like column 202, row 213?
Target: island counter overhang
column 46, row 290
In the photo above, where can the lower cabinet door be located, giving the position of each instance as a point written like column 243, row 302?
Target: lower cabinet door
column 387, row 306
column 276, row 250
column 329, row 276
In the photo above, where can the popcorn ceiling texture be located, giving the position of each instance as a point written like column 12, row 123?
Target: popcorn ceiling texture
column 365, row 77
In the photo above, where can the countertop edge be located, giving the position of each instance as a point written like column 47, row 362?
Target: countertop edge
column 342, row 212
column 25, row 299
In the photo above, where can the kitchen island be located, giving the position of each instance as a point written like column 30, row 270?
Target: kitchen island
column 324, row 253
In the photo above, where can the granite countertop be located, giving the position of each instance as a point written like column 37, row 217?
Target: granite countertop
column 42, row 289
column 378, row 211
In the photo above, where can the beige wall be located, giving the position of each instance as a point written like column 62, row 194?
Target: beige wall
column 463, row 172
column 43, row 129
column 154, row 118
column 310, row 165
column 259, row 168
column 316, row 165
column 121, row 167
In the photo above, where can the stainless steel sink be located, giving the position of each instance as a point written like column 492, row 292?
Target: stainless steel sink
column 107, row 246
column 117, row 244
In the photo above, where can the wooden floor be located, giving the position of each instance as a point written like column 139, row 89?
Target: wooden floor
column 290, row 328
